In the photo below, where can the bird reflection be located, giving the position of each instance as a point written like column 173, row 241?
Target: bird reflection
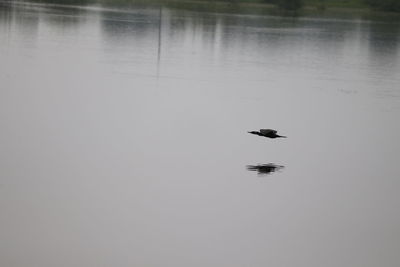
column 265, row 169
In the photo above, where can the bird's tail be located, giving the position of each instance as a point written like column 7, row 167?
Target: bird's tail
column 283, row 136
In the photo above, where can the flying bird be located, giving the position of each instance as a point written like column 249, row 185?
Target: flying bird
column 267, row 133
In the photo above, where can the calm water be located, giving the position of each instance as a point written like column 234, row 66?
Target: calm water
column 124, row 139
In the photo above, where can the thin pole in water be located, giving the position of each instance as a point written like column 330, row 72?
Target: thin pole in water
column 159, row 41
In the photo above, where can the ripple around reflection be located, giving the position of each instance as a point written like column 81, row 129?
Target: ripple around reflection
column 265, row 169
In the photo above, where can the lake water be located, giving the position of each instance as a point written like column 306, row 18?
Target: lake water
column 124, row 138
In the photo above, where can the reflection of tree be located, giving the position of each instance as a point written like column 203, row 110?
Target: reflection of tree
column 384, row 39
column 290, row 4
column 134, row 24
column 66, row 17
column 387, row 5
column 54, row 15
column 6, row 13
column 191, row 26
column 10, row 15
column 264, row 169
column 134, row 35
column 67, row 2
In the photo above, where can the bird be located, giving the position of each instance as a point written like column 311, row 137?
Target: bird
column 267, row 133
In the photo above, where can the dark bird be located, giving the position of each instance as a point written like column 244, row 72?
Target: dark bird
column 267, row 133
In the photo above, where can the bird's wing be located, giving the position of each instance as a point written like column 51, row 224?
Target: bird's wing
column 267, row 131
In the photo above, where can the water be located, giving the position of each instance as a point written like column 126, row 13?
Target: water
column 124, row 138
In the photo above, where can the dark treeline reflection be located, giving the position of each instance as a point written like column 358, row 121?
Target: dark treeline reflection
column 384, row 38
column 260, row 37
column 134, row 24
column 265, row 169
column 67, row 2
column 6, row 13
column 253, row 34
column 28, row 15
column 64, row 18
column 28, row 22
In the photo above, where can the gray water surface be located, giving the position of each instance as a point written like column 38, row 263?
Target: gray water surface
column 123, row 139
